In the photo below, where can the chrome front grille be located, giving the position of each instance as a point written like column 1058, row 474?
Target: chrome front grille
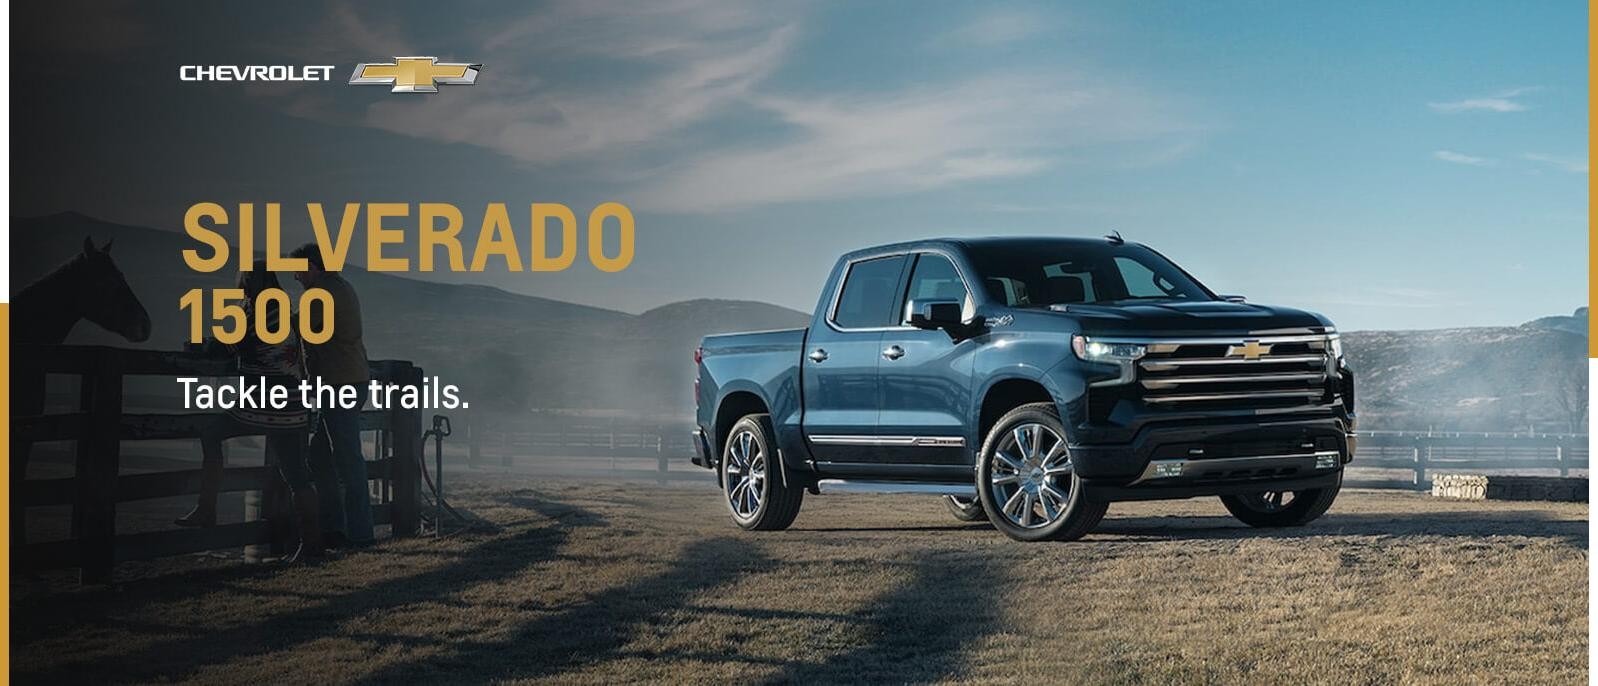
column 1280, row 371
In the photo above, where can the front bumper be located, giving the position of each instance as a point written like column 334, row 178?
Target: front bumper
column 1216, row 459
column 1184, row 478
column 1113, row 492
column 1224, row 469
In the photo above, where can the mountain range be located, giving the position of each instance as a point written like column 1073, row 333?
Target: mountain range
column 511, row 352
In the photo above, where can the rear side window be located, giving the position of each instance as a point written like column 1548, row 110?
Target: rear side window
column 868, row 294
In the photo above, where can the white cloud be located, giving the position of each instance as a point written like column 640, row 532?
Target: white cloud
column 997, row 28
column 668, row 73
column 1503, row 101
column 692, row 60
column 989, row 128
column 1461, row 158
column 1573, row 165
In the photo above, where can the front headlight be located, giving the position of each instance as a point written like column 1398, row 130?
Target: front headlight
column 1123, row 355
column 1101, row 351
column 1335, row 343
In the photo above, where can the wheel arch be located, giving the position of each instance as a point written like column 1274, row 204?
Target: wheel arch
column 734, row 405
column 1005, row 394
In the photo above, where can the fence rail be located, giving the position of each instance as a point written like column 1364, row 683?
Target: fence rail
column 96, row 487
column 1421, row 451
column 550, row 434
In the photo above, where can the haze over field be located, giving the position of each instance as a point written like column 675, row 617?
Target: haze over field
column 511, row 352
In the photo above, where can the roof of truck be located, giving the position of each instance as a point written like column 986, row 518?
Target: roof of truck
column 983, row 241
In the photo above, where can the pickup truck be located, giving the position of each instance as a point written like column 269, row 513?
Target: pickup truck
column 1031, row 382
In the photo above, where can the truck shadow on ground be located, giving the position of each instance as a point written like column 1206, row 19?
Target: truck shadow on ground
column 911, row 640
column 1475, row 525
column 894, row 637
column 593, row 630
column 973, row 526
column 900, row 639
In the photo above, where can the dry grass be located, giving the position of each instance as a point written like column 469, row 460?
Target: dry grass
column 583, row 583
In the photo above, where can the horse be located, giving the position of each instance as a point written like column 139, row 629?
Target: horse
column 89, row 286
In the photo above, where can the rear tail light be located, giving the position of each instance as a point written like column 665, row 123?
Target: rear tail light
column 699, row 358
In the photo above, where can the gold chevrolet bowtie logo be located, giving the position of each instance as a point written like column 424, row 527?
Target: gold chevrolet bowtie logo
column 1249, row 350
column 414, row 74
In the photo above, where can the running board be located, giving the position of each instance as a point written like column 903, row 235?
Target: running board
column 859, row 486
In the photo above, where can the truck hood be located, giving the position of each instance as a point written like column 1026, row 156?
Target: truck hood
column 1164, row 319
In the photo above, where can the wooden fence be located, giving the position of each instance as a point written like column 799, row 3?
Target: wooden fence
column 510, row 440
column 97, row 486
column 1418, row 452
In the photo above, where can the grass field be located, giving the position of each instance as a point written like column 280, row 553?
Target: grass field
column 603, row 582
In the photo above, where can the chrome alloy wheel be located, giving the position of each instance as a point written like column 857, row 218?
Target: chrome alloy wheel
column 746, row 474
column 1031, row 476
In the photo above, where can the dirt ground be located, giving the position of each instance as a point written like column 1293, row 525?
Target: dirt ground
column 601, row 582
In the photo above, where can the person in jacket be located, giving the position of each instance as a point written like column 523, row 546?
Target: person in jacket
column 336, row 445
column 285, row 429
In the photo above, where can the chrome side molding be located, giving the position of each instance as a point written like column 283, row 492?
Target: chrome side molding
column 892, row 441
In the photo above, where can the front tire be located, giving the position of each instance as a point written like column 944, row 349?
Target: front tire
column 751, row 478
column 1273, row 509
column 1026, row 482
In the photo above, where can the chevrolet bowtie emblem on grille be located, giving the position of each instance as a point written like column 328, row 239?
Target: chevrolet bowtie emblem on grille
column 1249, row 350
column 414, row 74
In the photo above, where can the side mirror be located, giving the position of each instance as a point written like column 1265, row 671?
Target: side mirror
column 1234, row 298
column 933, row 314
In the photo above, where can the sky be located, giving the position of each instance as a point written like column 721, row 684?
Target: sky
column 1391, row 165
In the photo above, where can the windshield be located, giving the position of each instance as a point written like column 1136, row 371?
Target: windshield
column 1043, row 273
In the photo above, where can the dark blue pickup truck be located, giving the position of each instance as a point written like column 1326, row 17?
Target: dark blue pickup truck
column 1030, row 381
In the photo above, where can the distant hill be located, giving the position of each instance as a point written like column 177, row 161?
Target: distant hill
column 511, row 351
column 1575, row 323
column 1482, row 378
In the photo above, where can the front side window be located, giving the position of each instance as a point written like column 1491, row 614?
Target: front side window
column 934, row 277
column 867, row 300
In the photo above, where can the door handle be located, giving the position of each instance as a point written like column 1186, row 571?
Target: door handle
column 818, row 356
column 893, row 352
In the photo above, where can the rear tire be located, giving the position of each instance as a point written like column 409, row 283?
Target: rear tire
column 1273, row 509
column 752, row 479
column 1026, row 482
column 965, row 509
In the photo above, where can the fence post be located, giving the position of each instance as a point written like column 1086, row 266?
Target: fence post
column 660, row 453
column 1559, row 455
column 406, row 451
column 1420, row 468
column 94, row 514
